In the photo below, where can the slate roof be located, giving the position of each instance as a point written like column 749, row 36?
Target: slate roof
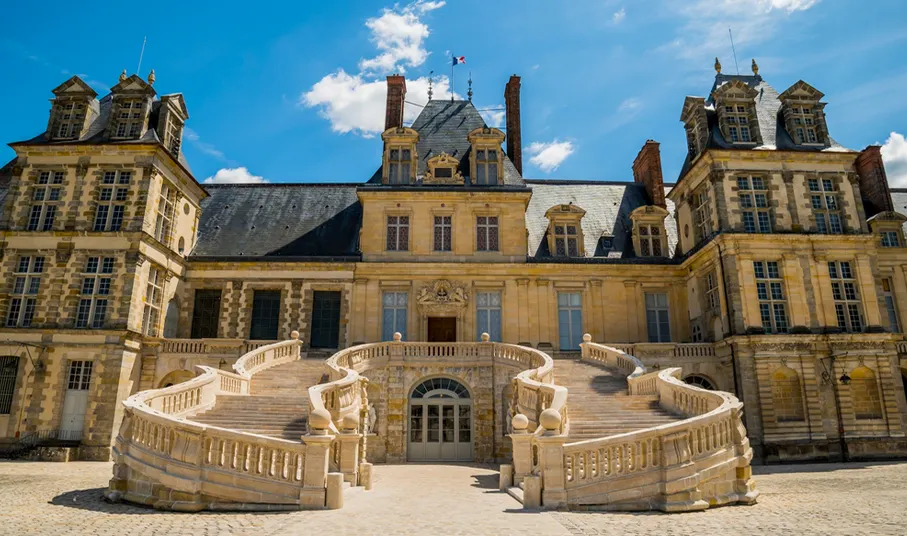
column 899, row 199
column 771, row 122
column 607, row 205
column 443, row 126
column 280, row 220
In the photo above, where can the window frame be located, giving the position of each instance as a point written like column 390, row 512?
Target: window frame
column 662, row 323
column 891, row 304
column 755, row 204
column 165, row 210
column 111, row 209
column 771, row 296
column 95, row 302
column 829, row 214
column 846, row 295
column 23, row 298
column 486, row 230
column 890, row 239
column 400, row 302
column 46, row 196
column 702, row 213
column 154, row 288
column 399, row 170
column 264, row 317
column 442, row 233
column 203, row 319
column 566, row 239
column 487, row 167
column 489, row 302
column 650, row 239
column 397, row 232
column 9, row 378
column 571, row 315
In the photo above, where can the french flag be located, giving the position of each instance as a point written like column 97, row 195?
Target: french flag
column 457, row 60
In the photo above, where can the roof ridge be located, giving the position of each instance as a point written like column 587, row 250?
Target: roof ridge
column 281, row 184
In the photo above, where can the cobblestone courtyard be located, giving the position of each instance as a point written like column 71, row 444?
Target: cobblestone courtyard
column 51, row 498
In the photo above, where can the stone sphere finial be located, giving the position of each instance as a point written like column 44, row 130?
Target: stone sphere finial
column 320, row 419
column 486, row 337
column 123, row 75
column 294, row 335
column 519, row 422
column 398, row 336
column 550, row 420
column 351, row 421
column 587, row 337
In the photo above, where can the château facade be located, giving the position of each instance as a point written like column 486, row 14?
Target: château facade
column 774, row 268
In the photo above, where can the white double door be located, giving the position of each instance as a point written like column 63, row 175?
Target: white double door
column 440, row 430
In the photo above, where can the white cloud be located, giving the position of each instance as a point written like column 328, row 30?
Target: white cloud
column 630, row 106
column 494, row 117
column 549, row 156
column 619, row 16
column 192, row 137
column 399, row 34
column 354, row 103
column 237, row 175
column 788, row 5
column 894, row 154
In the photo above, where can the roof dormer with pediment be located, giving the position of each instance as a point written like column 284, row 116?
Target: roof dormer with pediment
column 73, row 108
column 130, row 108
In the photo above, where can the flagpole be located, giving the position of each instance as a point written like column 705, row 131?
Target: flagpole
column 451, row 79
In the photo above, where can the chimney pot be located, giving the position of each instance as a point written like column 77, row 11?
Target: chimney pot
column 512, row 111
column 396, row 94
column 873, row 181
column 647, row 171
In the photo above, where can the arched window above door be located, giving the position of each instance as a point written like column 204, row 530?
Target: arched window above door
column 440, row 388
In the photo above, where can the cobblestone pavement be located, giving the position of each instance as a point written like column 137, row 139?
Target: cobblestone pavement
column 53, row 498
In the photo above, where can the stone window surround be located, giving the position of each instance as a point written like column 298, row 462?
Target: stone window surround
column 754, row 207
column 74, row 107
column 563, row 216
column 399, row 211
column 855, row 281
column 134, row 124
column 652, row 217
column 888, row 298
column 400, row 138
column 744, row 138
column 308, row 302
column 701, row 211
column 93, row 298
column 487, row 211
column 34, row 184
column 165, row 212
column 436, row 213
column 837, row 192
column 26, row 297
column 666, row 292
column 770, row 300
column 485, row 139
column 149, row 308
column 187, row 312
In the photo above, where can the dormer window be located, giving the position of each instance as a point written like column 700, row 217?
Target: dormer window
column 736, row 113
column 70, row 120
column 804, row 125
column 442, row 169
column 565, row 232
column 649, row 238
column 486, row 164
column 129, row 119
column 738, row 123
column 695, row 124
column 72, row 106
column 804, row 115
column 400, row 161
column 565, row 241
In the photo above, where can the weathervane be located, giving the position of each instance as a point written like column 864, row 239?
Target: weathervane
column 469, row 92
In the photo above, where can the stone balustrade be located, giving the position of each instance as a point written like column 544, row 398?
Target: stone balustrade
column 675, row 350
column 219, row 348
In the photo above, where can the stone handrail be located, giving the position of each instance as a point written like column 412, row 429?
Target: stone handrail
column 534, row 391
column 236, row 347
column 267, row 356
column 666, row 349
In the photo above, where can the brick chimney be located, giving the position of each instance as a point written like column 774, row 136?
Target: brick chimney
column 647, row 171
column 873, row 181
column 512, row 109
column 396, row 93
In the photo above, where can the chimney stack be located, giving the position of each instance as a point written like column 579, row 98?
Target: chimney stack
column 873, row 181
column 396, row 93
column 647, row 171
column 512, row 109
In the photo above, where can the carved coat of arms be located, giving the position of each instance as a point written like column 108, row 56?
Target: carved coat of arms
column 442, row 294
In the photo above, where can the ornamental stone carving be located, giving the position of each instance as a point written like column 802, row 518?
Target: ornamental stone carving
column 443, row 297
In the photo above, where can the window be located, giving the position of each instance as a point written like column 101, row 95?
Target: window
column 70, row 119
column 111, row 201
column 129, row 119
column 824, row 199
column 96, row 279
column 26, row 285
column 696, row 332
column 737, row 119
column 487, row 166
column 173, row 136
column 163, row 226
column 864, row 394
column 702, row 214
column 890, row 305
column 805, row 122
column 787, row 395
column 398, row 233
column 326, row 319
column 890, row 239
column 442, row 233
column 265, row 315
column 394, row 314
column 79, row 378
column 753, row 196
column 154, row 295
column 206, row 314
column 488, row 315
column 46, row 196
column 565, row 240
column 9, row 369
column 650, row 241
column 570, row 319
column 487, row 233
column 847, row 300
column 658, row 319
column 711, row 292
column 399, row 162
column 770, row 292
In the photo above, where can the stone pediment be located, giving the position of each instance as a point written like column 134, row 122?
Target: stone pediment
column 443, row 296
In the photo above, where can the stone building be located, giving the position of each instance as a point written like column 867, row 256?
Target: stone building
column 773, row 268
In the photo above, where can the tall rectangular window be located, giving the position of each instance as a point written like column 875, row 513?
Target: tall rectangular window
column 702, row 214
column 711, row 291
column 129, row 119
column 770, row 292
column 487, row 166
column 890, row 305
column 442, row 233
column 398, row 233
column 890, row 239
column 92, row 311
column 206, row 314
column 399, row 162
column 394, row 314
column 79, row 378
column 154, row 295
column 658, row 319
column 650, row 241
column 805, row 125
column 566, row 240
column 738, row 123
column 570, row 319
column 112, row 200
column 848, row 309
column 326, row 319
column 824, row 199
column 486, row 233
column 753, row 195
column 488, row 315
column 23, row 298
column 9, row 369
column 265, row 315
column 163, row 225
column 47, row 195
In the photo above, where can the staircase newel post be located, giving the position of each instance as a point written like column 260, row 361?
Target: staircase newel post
column 584, row 346
column 486, row 347
column 313, row 494
column 396, row 350
column 522, row 448
column 349, row 439
column 551, row 460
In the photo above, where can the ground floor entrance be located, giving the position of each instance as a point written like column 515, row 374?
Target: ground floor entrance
column 442, row 329
column 440, row 422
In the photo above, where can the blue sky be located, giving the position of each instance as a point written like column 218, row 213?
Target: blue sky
column 294, row 92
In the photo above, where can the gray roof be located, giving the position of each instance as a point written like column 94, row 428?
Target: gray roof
column 899, row 200
column 279, row 220
column 443, row 126
column 771, row 122
column 607, row 205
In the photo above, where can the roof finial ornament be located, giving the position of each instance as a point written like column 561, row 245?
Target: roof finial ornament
column 123, row 75
column 431, row 75
column 755, row 67
column 717, row 65
column 469, row 91
column 151, row 77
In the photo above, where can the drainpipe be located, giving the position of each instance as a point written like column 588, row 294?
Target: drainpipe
column 845, row 455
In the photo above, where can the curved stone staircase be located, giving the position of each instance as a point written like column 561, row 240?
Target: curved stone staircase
column 277, row 405
column 599, row 403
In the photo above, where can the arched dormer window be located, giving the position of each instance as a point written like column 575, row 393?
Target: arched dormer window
column 649, row 238
column 696, row 125
column 565, row 232
column 736, row 110
column 442, row 169
column 804, row 114
column 400, row 158
column 486, row 165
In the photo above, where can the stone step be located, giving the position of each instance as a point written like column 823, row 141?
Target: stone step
column 516, row 493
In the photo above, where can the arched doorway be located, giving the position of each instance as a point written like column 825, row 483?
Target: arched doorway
column 175, row 377
column 700, row 381
column 440, row 422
